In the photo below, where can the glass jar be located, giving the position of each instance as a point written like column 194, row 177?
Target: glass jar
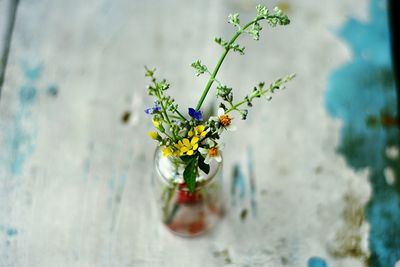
column 183, row 212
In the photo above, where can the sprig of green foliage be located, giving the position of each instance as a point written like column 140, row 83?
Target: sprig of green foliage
column 258, row 92
column 200, row 68
column 253, row 28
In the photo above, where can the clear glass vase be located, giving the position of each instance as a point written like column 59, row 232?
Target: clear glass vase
column 183, row 212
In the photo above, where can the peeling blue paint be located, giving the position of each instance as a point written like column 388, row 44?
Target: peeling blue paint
column 360, row 89
column 238, row 182
column 21, row 138
column 32, row 72
column 316, row 262
column 21, row 147
column 252, row 179
column 11, row 232
column 27, row 95
column 52, row 90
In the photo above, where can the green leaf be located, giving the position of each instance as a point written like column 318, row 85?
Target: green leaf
column 279, row 18
column 289, row 77
column 203, row 166
column 187, row 159
column 278, row 11
column 163, row 85
column 223, row 91
column 255, row 31
column 149, row 72
column 221, row 42
column 189, row 175
column 262, row 11
column 238, row 48
column 200, row 68
column 234, row 19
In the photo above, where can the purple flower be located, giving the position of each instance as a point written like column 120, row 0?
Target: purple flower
column 195, row 114
column 152, row 110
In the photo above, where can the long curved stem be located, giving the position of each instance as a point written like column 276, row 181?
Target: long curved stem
column 221, row 59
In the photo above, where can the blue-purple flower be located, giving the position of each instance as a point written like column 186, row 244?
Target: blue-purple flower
column 195, row 114
column 152, row 110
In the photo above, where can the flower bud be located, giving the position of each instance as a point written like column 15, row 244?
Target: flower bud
column 153, row 135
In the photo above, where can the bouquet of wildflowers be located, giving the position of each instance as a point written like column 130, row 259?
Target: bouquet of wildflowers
column 189, row 136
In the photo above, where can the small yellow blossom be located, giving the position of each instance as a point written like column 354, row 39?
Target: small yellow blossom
column 178, row 148
column 188, row 147
column 167, row 151
column 200, row 130
column 177, row 153
column 156, row 124
column 153, row 135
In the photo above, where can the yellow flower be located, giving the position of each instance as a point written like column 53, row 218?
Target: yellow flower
column 188, row 147
column 198, row 131
column 177, row 153
column 178, row 148
column 167, row 151
column 153, row 135
column 156, row 124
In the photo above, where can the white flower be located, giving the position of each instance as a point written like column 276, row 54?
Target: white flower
column 211, row 153
column 224, row 120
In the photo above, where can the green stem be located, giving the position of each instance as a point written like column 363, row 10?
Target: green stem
column 276, row 85
column 234, row 107
column 170, row 191
column 171, row 216
column 221, row 59
column 214, row 78
column 168, row 135
column 174, row 117
column 164, row 111
column 180, row 115
column 254, row 95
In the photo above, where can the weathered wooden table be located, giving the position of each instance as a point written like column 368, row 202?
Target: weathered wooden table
column 75, row 177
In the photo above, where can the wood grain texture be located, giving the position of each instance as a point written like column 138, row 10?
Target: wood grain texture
column 75, row 181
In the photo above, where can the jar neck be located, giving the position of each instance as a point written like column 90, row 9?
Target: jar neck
column 170, row 169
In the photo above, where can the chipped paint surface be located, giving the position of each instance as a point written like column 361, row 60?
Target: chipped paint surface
column 22, row 135
column 362, row 88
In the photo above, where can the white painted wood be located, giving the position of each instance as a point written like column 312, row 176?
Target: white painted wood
column 74, row 180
